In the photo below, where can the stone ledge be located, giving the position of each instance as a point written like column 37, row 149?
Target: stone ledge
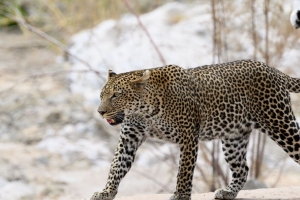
column 284, row 193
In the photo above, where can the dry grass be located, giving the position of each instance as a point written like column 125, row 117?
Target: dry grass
column 62, row 18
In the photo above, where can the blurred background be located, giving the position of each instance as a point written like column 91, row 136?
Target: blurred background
column 54, row 57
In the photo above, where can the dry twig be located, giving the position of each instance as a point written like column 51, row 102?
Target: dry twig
column 35, row 76
column 21, row 21
column 165, row 187
column 146, row 31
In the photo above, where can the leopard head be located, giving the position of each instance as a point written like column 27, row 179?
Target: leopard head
column 121, row 94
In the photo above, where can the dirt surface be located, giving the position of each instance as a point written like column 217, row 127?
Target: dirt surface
column 286, row 193
column 35, row 107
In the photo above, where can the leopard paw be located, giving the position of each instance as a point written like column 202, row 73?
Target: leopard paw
column 103, row 195
column 225, row 194
column 180, row 197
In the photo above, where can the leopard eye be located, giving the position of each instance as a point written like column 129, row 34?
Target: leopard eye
column 115, row 94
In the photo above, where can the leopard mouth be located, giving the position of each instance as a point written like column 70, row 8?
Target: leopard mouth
column 118, row 119
column 111, row 121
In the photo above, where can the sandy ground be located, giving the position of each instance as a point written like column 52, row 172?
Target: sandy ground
column 286, row 193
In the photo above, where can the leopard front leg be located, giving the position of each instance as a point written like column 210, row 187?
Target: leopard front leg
column 235, row 150
column 188, row 158
column 130, row 139
column 107, row 195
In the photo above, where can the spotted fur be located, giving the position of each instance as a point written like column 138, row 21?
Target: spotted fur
column 224, row 101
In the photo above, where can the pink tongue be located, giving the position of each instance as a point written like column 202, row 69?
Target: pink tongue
column 109, row 121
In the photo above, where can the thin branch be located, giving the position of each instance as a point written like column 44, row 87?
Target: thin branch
column 214, row 156
column 225, row 31
column 35, row 76
column 266, row 12
column 205, row 153
column 251, row 172
column 166, row 188
column 145, row 30
column 203, row 175
column 257, row 160
column 280, row 172
column 21, row 21
column 261, row 149
column 253, row 25
column 213, row 5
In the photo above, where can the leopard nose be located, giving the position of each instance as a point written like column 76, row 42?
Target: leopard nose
column 102, row 112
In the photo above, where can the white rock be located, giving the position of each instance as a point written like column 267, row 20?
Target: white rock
column 113, row 45
column 183, row 34
column 16, row 190
column 96, row 151
column 3, row 181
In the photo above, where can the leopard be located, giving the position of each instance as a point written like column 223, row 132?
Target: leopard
column 185, row 106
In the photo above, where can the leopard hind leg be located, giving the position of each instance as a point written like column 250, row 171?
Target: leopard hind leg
column 235, row 150
column 280, row 124
column 287, row 136
column 275, row 117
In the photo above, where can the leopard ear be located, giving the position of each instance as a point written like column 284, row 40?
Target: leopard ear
column 110, row 74
column 141, row 82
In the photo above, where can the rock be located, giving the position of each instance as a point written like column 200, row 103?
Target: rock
column 43, row 160
column 31, row 135
column 253, row 184
column 183, row 34
column 54, row 117
column 117, row 36
column 53, row 190
column 3, row 181
column 68, row 129
column 80, row 151
column 13, row 173
column 16, row 190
